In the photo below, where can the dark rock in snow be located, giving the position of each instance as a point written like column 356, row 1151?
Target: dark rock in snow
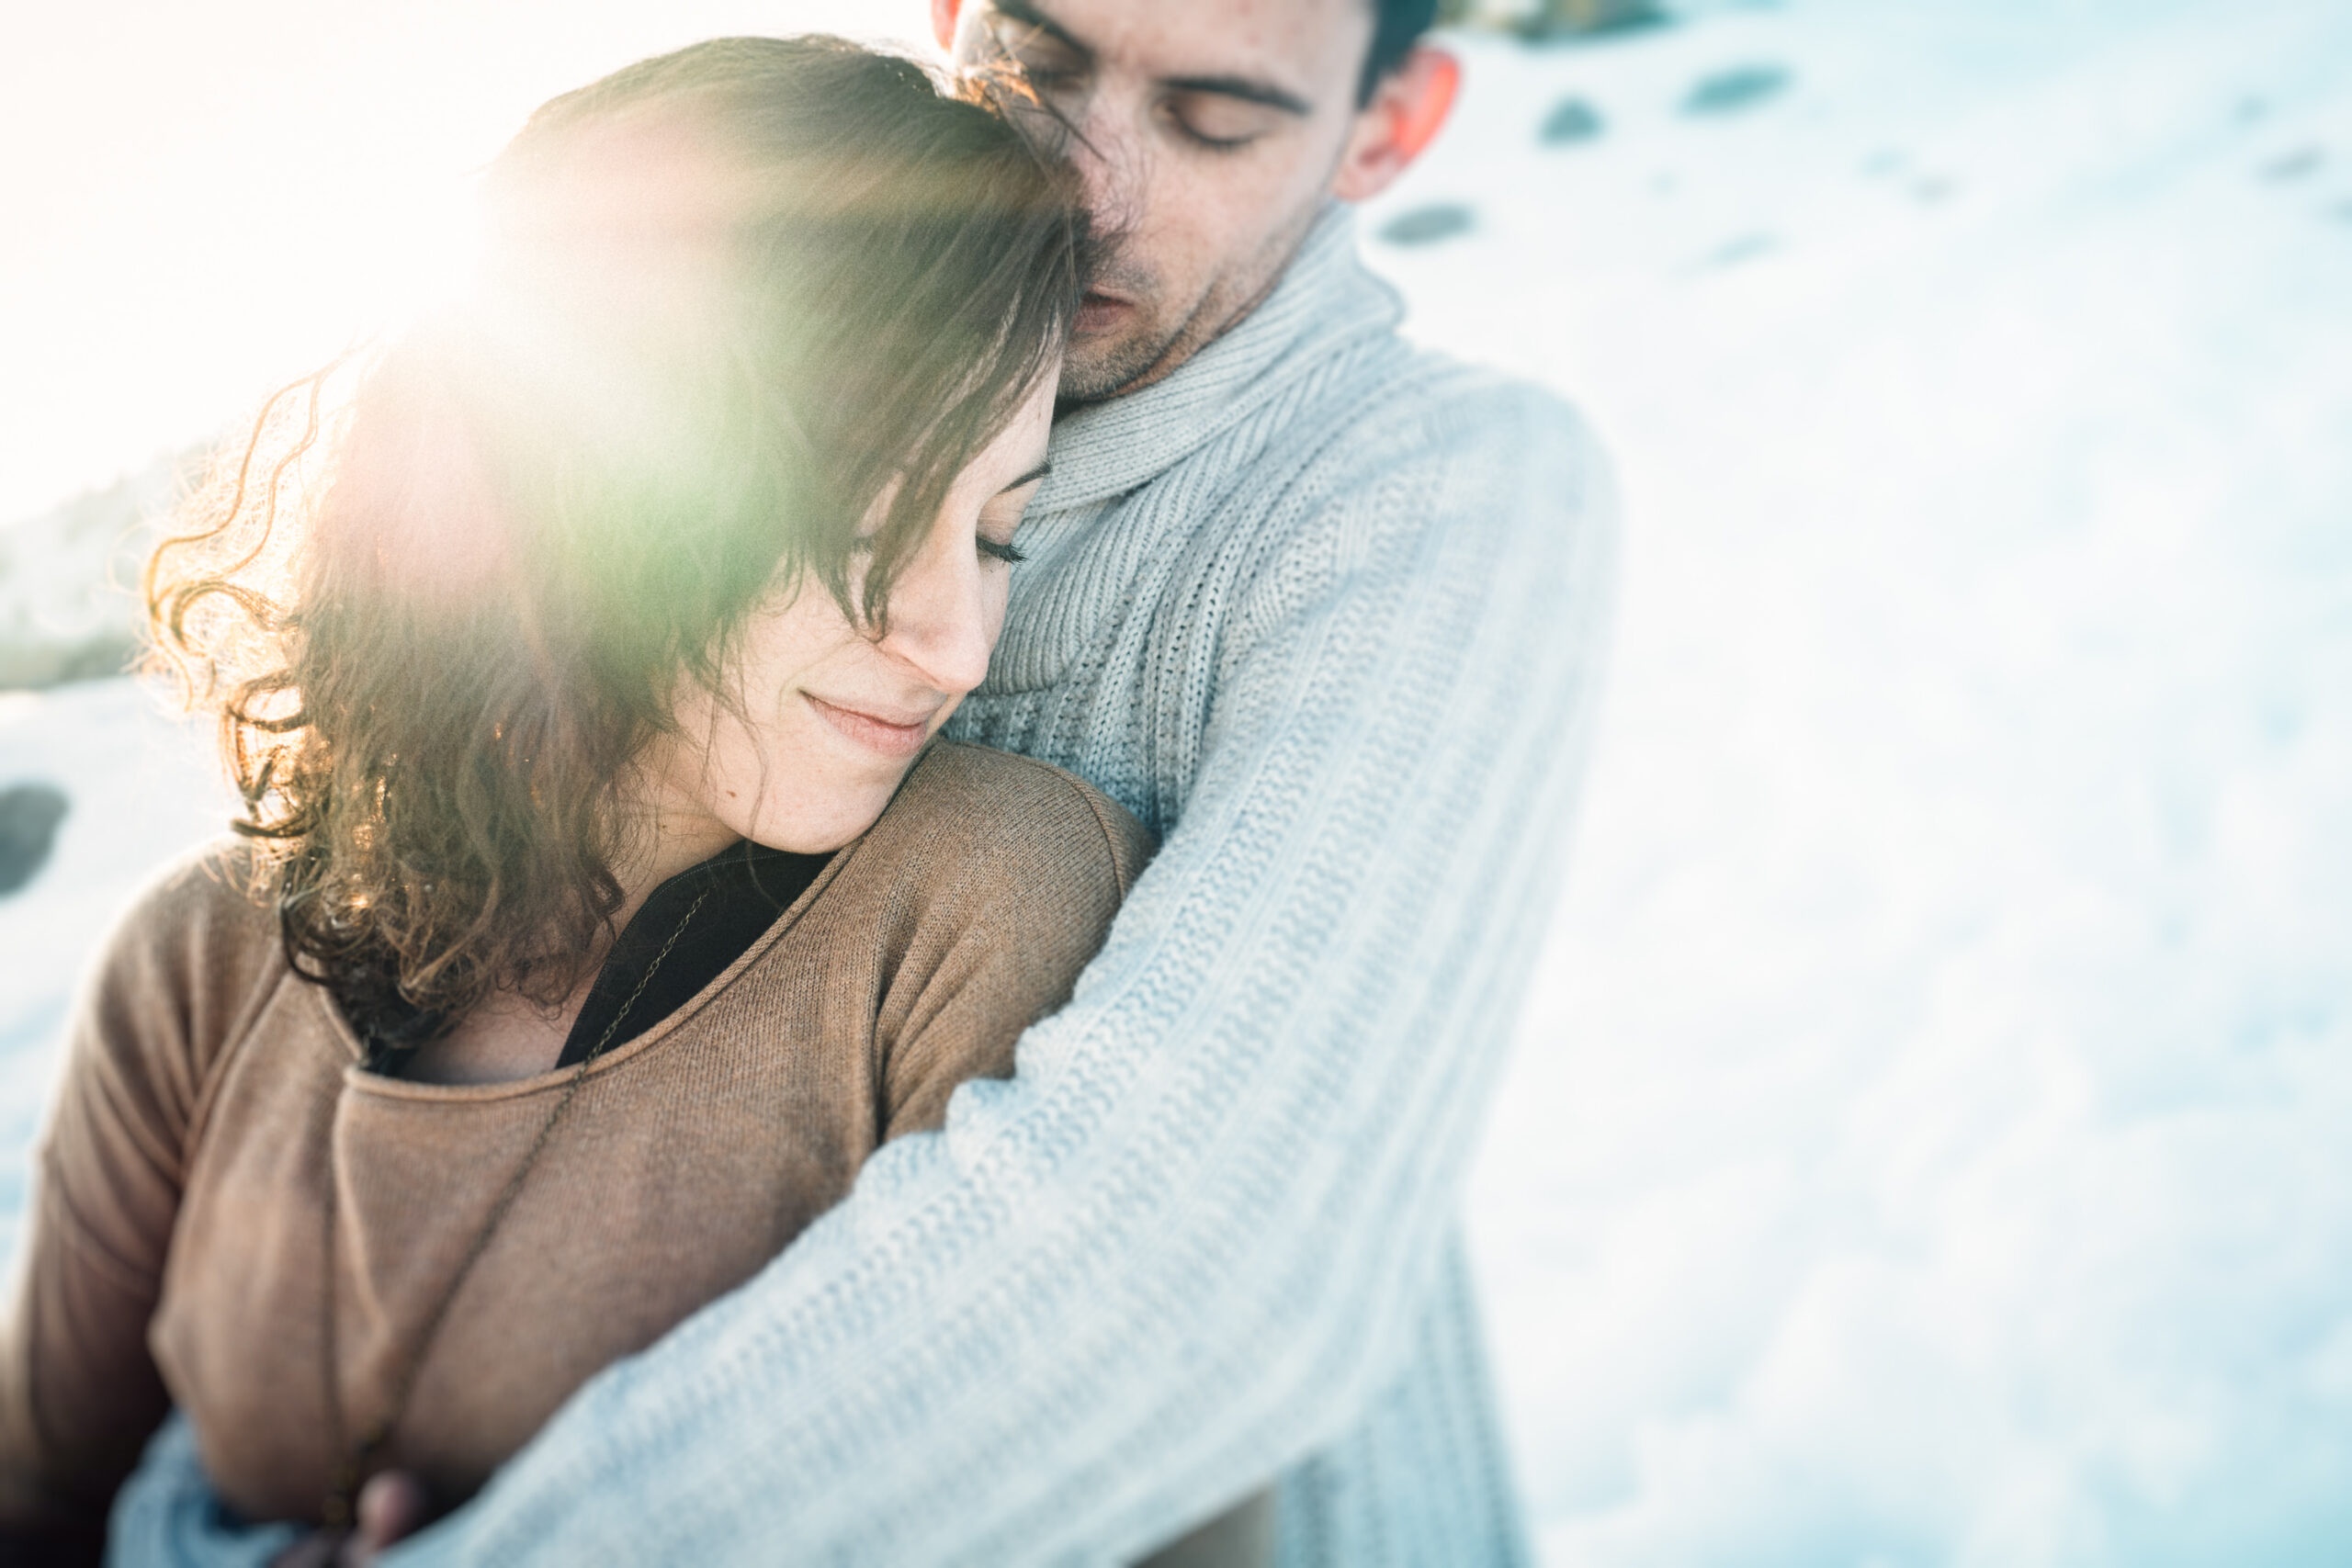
column 1570, row 121
column 1427, row 225
column 29, row 814
column 1566, row 21
column 1741, row 87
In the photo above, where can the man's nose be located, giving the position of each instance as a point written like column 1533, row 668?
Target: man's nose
column 1109, row 155
column 941, row 620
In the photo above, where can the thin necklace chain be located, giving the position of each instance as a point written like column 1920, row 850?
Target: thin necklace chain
column 351, row 1468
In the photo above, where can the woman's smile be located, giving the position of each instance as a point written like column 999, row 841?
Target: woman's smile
column 761, row 767
column 872, row 730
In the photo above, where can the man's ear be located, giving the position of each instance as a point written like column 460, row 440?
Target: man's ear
column 942, row 22
column 1407, row 110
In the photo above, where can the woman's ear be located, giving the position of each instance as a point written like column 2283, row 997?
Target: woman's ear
column 942, row 22
column 1406, row 113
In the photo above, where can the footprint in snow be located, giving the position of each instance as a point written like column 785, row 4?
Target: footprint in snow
column 1428, row 225
column 1745, row 248
column 1571, row 121
column 1734, row 91
column 2297, row 165
column 1574, row 21
column 29, row 814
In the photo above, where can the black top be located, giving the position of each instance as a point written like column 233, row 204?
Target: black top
column 747, row 886
column 742, row 890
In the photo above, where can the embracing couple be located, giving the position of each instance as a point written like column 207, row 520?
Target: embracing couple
column 899, row 794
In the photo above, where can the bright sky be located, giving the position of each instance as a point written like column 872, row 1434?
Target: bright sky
column 199, row 201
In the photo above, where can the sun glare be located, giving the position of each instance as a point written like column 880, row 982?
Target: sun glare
column 432, row 259
column 212, row 201
column 391, row 261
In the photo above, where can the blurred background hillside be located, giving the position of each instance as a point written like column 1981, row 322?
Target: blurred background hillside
column 1928, row 1141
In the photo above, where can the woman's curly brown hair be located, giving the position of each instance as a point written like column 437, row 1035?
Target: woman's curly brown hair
column 737, row 302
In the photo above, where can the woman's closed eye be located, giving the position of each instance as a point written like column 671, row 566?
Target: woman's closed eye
column 999, row 521
column 1001, row 518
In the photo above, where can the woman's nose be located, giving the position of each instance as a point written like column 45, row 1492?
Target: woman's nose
column 941, row 620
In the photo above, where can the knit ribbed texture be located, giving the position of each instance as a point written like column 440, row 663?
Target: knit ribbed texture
column 1324, row 612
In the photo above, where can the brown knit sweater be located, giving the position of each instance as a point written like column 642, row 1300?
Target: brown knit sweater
column 211, row 1102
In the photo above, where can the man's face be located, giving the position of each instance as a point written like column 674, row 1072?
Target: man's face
column 1207, row 133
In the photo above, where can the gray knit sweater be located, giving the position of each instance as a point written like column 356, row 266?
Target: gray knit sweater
column 1325, row 611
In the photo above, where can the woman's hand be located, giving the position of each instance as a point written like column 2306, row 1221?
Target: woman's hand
column 391, row 1506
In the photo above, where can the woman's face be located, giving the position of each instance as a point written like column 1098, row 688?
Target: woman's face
column 821, row 720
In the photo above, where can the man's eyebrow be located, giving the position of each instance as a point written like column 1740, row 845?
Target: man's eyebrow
column 1248, row 89
column 1245, row 89
column 1028, row 15
column 1039, row 472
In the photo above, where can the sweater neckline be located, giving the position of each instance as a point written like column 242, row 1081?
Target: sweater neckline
column 359, row 1081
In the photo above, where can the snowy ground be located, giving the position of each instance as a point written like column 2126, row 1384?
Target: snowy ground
column 142, row 788
column 1928, row 1141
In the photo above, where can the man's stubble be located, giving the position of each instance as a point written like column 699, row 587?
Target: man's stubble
column 1152, row 348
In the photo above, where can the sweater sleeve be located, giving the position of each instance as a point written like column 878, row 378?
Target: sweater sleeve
column 79, row 1392
column 1186, row 1245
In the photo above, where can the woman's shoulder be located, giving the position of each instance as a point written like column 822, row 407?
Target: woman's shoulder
column 184, row 971
column 995, row 813
column 194, row 937
column 203, row 896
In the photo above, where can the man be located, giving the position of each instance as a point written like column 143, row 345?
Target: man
column 1324, row 612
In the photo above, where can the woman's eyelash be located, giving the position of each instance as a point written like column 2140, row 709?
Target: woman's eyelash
column 988, row 548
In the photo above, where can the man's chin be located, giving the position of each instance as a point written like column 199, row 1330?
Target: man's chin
column 1104, row 368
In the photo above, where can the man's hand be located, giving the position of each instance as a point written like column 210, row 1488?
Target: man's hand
column 391, row 1506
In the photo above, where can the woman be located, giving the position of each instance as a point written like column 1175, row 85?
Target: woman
column 603, row 899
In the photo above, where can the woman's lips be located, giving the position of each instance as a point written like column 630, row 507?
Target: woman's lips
column 874, row 733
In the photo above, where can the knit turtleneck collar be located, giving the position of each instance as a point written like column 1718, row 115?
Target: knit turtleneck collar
column 1323, row 299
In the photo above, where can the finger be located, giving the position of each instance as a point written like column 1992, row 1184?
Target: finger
column 392, row 1506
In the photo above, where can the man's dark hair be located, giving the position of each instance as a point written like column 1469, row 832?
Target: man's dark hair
column 1396, row 26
